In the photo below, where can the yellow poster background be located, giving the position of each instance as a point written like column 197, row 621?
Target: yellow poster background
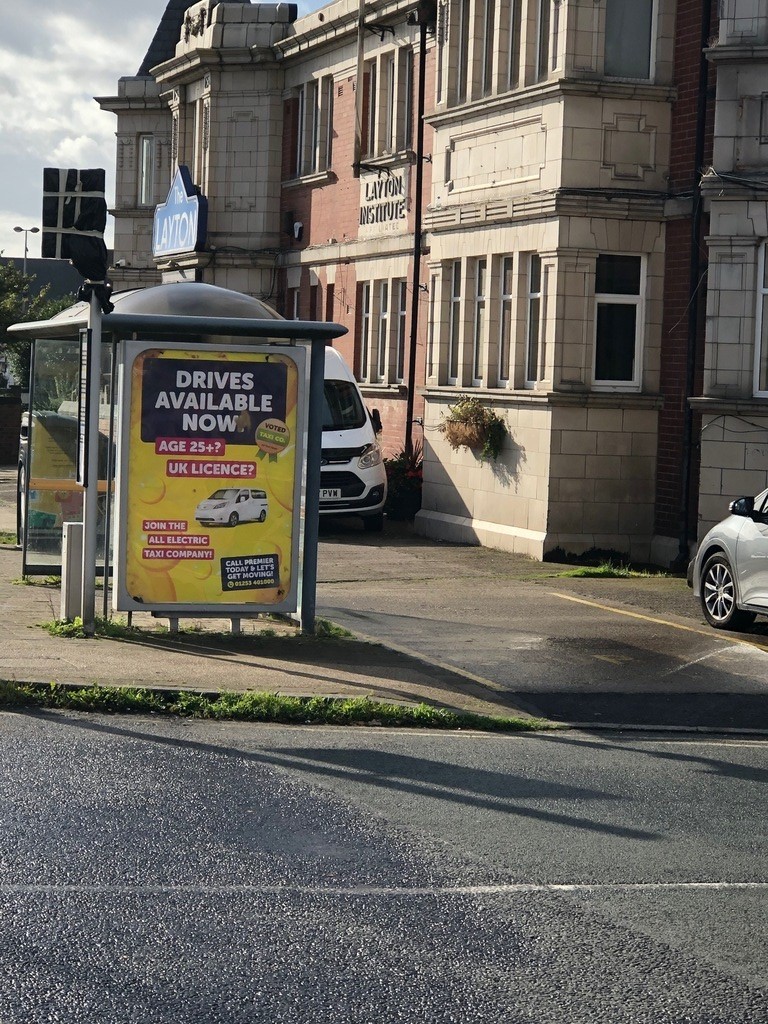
column 155, row 497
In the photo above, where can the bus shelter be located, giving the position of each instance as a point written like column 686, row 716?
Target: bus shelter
column 209, row 446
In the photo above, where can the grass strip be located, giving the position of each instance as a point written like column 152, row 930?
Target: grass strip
column 255, row 707
column 116, row 629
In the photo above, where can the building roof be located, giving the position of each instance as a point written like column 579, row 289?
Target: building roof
column 167, row 34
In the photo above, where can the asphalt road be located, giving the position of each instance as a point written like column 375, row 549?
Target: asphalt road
column 157, row 872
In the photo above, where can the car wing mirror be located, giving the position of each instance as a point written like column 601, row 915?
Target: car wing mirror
column 742, row 506
column 376, row 420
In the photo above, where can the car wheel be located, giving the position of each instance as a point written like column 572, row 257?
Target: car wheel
column 718, row 595
column 262, row 516
column 374, row 523
column 234, row 519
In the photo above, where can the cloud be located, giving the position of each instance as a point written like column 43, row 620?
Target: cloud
column 56, row 56
column 55, row 59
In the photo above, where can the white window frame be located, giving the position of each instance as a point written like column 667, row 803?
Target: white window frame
column 533, row 297
column 760, row 320
column 433, row 286
column 543, row 38
column 146, row 170
column 370, row 147
column 402, row 319
column 490, row 38
column 389, row 75
column 652, row 46
column 365, row 329
column 453, row 360
column 622, row 299
column 383, row 331
column 515, row 63
column 479, row 320
column 506, row 318
column 463, row 46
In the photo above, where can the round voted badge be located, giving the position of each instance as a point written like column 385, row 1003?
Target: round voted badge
column 272, row 437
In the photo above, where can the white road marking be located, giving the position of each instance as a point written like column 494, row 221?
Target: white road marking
column 712, row 634
column 377, row 890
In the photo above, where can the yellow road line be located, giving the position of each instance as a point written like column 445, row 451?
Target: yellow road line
column 712, row 634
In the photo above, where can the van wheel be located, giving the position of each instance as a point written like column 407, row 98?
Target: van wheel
column 234, row 519
column 262, row 516
column 374, row 524
column 718, row 596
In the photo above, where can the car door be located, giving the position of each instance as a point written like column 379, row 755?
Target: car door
column 245, row 506
column 752, row 555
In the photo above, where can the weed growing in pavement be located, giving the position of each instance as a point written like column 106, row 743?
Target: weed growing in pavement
column 324, row 628
column 37, row 581
column 257, row 707
column 6, row 537
column 607, row 570
column 116, row 629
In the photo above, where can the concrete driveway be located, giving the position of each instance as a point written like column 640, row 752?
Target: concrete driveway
column 624, row 651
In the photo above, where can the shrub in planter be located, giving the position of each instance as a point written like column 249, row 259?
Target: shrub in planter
column 471, row 424
column 404, row 480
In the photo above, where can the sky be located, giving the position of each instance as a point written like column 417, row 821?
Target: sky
column 55, row 56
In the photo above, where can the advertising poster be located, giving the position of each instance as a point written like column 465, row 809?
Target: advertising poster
column 209, row 514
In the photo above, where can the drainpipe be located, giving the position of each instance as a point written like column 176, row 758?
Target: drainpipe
column 683, row 554
column 425, row 16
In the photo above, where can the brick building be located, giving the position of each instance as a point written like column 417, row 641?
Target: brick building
column 551, row 263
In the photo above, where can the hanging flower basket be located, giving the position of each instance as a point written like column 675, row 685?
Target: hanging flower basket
column 470, row 424
column 458, row 434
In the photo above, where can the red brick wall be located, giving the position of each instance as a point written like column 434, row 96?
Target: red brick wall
column 677, row 288
column 331, row 211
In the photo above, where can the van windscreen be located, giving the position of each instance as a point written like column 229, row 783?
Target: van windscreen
column 342, row 408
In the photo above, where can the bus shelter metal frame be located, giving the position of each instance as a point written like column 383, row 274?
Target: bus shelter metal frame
column 316, row 334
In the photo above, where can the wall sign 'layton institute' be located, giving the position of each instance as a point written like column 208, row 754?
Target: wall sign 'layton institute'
column 383, row 200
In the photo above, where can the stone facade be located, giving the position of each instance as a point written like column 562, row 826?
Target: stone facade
column 734, row 397
column 556, row 171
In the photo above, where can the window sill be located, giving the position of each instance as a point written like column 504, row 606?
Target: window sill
column 310, row 180
column 385, row 161
column 381, row 387
column 602, row 398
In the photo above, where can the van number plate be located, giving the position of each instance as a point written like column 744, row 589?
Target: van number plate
column 329, row 493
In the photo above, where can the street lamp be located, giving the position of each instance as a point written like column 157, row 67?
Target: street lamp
column 27, row 231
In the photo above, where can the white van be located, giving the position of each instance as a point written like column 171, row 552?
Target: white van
column 353, row 480
column 233, row 505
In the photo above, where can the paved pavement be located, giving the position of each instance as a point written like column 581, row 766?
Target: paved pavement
column 465, row 627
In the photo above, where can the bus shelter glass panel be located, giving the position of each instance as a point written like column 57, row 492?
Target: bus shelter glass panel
column 49, row 491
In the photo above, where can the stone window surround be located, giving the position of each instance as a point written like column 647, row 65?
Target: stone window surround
column 638, row 301
column 761, row 327
column 463, row 63
column 381, row 334
column 452, row 312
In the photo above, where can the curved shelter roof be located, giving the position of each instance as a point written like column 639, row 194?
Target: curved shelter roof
column 185, row 308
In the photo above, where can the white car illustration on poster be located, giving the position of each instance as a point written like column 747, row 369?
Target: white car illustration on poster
column 229, row 506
